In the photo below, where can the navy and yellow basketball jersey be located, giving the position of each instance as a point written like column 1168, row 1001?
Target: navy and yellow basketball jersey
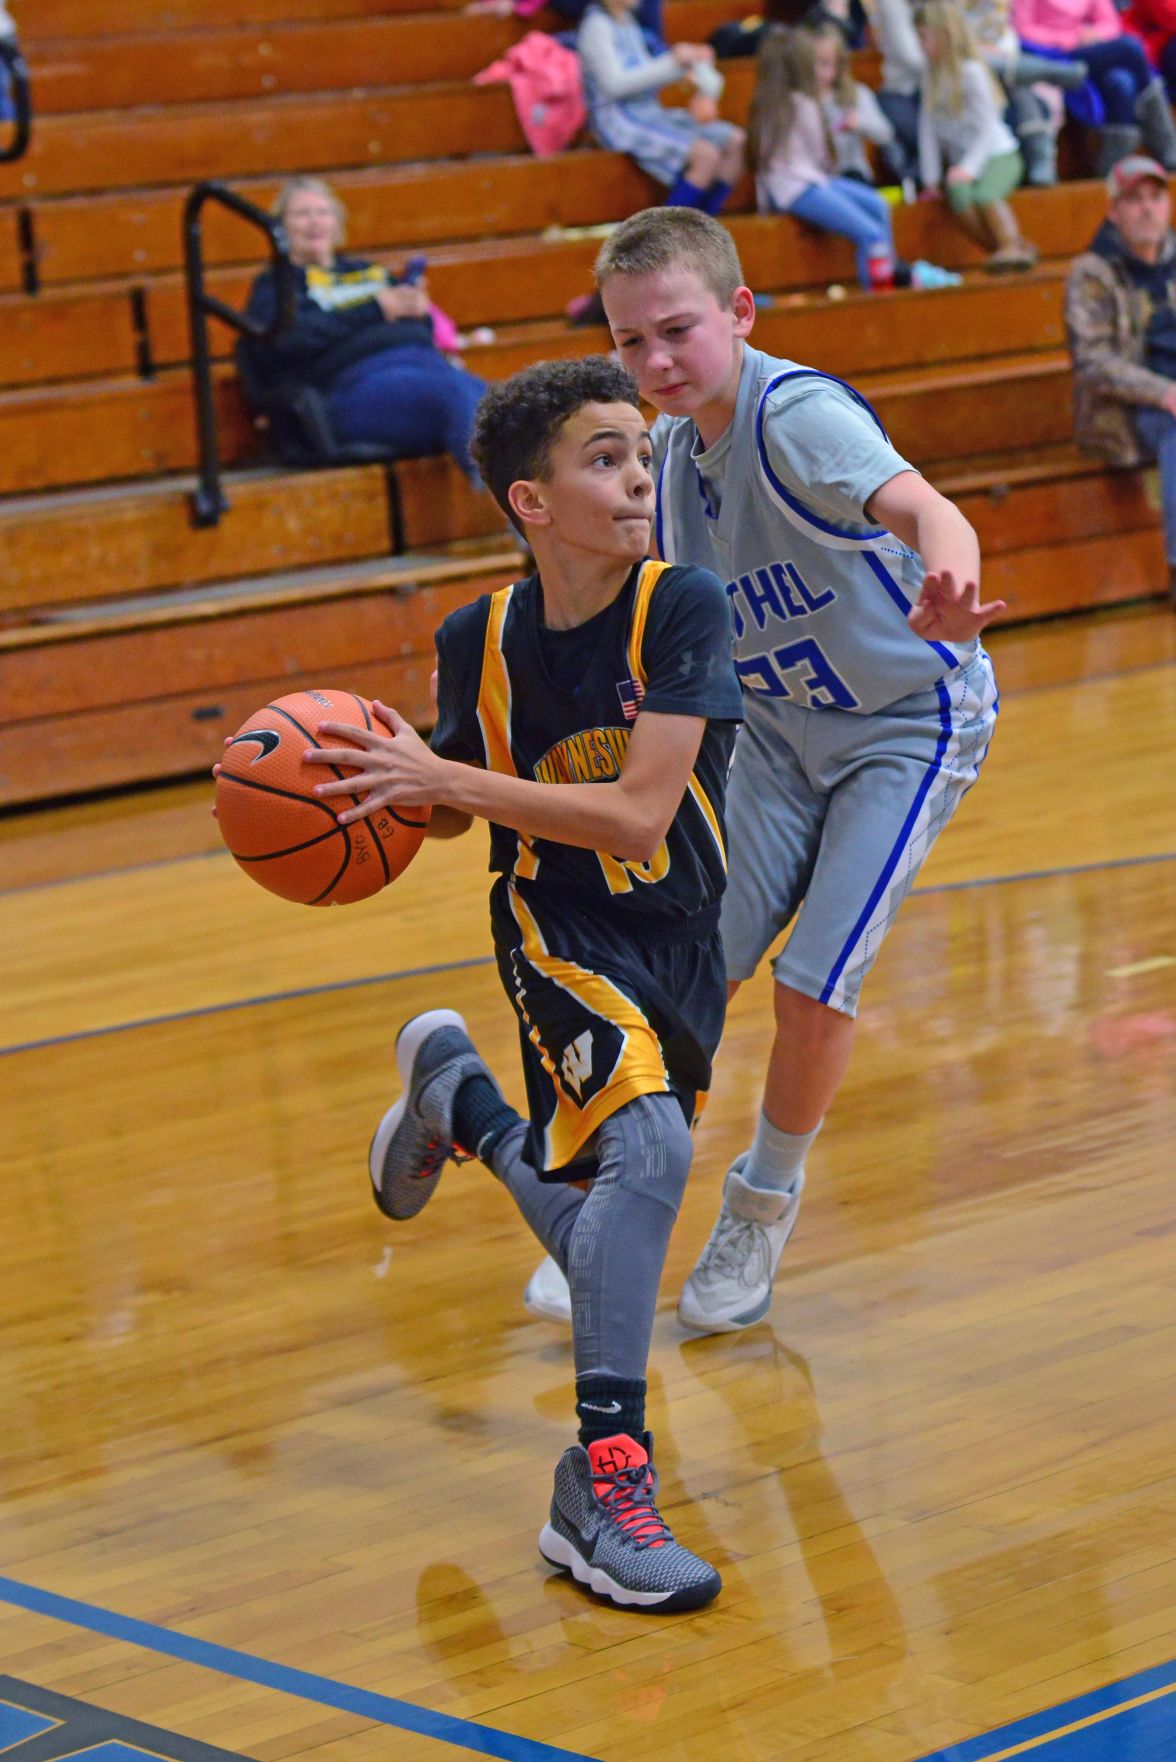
column 614, row 968
column 663, row 645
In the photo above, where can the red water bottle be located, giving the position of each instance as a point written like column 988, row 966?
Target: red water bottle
column 880, row 266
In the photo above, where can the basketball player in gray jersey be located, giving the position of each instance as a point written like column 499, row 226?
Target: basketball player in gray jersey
column 869, row 700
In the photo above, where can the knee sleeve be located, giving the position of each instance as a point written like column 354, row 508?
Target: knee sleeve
column 617, row 1249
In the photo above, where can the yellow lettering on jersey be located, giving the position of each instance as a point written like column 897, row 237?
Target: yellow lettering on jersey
column 620, row 874
column 594, row 755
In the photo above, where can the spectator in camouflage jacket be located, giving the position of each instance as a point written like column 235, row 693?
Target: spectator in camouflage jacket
column 1121, row 325
column 1112, row 310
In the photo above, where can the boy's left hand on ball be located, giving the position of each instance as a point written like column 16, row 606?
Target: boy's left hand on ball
column 394, row 768
column 950, row 611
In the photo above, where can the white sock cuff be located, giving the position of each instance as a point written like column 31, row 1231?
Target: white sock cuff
column 776, row 1158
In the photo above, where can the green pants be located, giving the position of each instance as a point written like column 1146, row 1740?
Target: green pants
column 999, row 179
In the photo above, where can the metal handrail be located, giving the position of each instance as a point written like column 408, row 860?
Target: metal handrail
column 14, row 61
column 209, row 501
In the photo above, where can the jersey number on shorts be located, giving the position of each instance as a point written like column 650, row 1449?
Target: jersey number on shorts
column 824, row 688
column 621, row 875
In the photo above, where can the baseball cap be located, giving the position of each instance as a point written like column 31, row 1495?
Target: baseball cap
column 1131, row 171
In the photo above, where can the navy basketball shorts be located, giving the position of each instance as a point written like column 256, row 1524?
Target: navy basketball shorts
column 609, row 1008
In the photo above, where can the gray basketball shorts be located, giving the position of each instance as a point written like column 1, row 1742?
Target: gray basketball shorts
column 829, row 818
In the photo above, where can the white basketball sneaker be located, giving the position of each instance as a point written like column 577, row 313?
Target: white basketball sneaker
column 731, row 1285
column 547, row 1293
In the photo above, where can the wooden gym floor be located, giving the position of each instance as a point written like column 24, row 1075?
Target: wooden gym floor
column 271, row 1471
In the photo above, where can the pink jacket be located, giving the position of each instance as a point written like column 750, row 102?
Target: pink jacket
column 1059, row 24
column 547, row 90
column 801, row 160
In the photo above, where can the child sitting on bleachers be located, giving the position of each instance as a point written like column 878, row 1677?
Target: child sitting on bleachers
column 697, row 160
column 803, row 95
column 856, row 119
column 966, row 148
column 810, row 125
column 1122, row 98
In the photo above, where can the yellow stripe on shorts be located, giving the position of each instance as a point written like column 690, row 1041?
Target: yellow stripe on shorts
column 639, row 1070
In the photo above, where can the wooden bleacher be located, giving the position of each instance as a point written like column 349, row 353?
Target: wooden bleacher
column 119, row 620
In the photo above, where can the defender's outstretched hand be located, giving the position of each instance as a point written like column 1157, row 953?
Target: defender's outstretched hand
column 950, row 611
column 394, row 768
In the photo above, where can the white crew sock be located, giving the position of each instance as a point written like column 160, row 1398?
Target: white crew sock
column 776, row 1158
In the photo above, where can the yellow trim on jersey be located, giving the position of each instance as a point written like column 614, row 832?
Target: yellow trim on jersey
column 639, row 1070
column 494, row 711
column 650, row 575
column 494, row 698
column 646, row 582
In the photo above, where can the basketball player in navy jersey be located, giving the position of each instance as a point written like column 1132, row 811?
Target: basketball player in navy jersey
column 588, row 713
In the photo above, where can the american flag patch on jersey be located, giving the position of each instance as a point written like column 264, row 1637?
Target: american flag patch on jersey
column 630, row 692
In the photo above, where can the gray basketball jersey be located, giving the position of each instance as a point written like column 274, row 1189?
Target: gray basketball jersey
column 818, row 597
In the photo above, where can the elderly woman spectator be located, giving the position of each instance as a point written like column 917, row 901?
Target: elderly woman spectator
column 361, row 339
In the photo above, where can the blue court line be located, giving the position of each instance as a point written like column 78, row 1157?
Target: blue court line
column 446, row 1728
column 1076, row 1719
column 484, row 960
column 1089, row 1712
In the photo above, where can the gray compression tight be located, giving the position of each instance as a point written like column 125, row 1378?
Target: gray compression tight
column 611, row 1241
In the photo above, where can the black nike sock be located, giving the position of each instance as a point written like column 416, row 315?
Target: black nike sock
column 480, row 1116
column 608, row 1405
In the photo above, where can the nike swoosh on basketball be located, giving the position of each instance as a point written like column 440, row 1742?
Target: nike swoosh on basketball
column 267, row 739
column 613, row 1407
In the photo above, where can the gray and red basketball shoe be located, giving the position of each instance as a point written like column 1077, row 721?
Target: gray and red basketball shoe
column 607, row 1532
column 414, row 1140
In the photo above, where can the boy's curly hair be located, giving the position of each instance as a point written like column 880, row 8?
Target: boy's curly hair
column 519, row 420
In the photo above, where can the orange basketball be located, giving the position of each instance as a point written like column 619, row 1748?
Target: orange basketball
column 285, row 836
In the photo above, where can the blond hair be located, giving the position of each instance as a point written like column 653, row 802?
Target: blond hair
column 672, row 238
column 945, row 77
column 296, row 186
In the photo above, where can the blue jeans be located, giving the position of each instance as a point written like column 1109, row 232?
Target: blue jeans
column 410, row 400
column 854, row 210
column 1157, row 432
column 1120, row 70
